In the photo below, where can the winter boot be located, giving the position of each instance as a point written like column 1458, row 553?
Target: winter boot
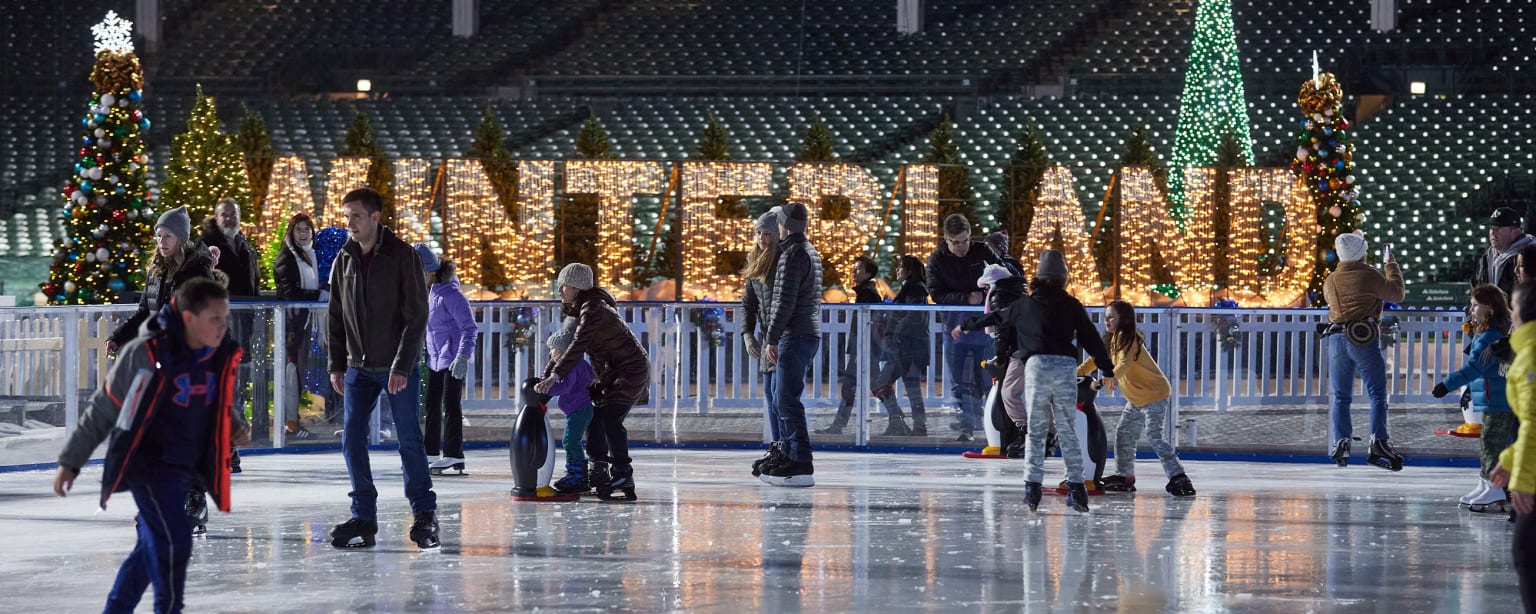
column 197, row 511
column 1032, row 494
column 1340, row 453
column 774, row 456
column 1077, row 497
column 575, row 480
column 424, row 531
column 354, row 533
column 1118, row 483
column 1384, row 455
column 620, row 478
column 1180, row 486
column 1492, row 500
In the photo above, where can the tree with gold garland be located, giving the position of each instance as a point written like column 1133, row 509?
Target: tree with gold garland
column 361, row 143
column 1325, row 162
column 108, row 211
column 205, row 166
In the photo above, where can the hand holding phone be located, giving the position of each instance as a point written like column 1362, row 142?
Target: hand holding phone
column 1386, row 253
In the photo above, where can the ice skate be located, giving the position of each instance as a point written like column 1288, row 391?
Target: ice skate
column 1492, row 500
column 1340, row 453
column 774, row 456
column 1077, row 497
column 447, row 463
column 1117, row 483
column 197, row 512
column 1476, row 493
column 575, row 479
column 620, row 479
column 1032, row 494
column 792, row 474
column 424, row 531
column 1180, row 486
column 1384, row 455
column 355, row 533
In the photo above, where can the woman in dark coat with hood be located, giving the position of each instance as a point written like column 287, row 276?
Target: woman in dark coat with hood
column 623, row 374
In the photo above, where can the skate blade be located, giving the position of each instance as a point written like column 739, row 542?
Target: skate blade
column 354, row 543
column 442, row 472
column 556, row 498
column 1385, row 464
column 794, row 481
column 1501, row 507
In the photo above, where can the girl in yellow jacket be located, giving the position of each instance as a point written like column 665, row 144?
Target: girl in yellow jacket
column 1516, row 470
column 1146, row 393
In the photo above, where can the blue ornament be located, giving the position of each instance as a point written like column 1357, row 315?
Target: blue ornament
column 1327, row 131
column 144, row 123
column 136, row 95
column 1330, row 256
column 85, row 185
column 1322, row 186
column 85, row 121
column 1339, row 165
column 328, row 243
column 100, row 118
column 120, row 190
column 116, row 285
column 86, row 141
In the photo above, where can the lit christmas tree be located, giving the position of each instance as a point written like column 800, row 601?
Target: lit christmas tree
column 107, row 210
column 1325, row 161
column 1213, row 103
column 205, row 167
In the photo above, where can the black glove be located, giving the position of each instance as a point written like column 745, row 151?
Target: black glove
column 1440, row 391
column 1503, row 351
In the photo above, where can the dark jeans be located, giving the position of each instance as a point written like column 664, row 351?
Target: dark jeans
column 364, row 387
column 445, row 396
column 848, row 380
column 160, row 557
column 795, row 356
column 966, row 378
column 607, row 440
column 771, row 399
column 1524, row 550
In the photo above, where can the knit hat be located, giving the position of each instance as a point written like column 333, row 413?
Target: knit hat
column 998, row 241
column 178, row 221
column 575, row 275
column 561, row 339
column 768, row 222
column 429, row 262
column 1350, row 247
column 1052, row 266
column 992, row 274
column 793, row 217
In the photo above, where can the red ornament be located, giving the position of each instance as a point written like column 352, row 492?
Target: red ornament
column 119, row 216
column 83, row 152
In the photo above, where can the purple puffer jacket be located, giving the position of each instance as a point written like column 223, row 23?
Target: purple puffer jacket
column 450, row 325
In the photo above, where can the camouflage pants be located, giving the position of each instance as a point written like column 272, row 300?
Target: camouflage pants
column 1499, row 432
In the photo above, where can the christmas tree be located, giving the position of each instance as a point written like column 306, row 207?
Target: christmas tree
column 381, row 170
column 954, row 178
column 108, row 212
column 817, row 148
column 489, row 146
column 1213, row 103
column 714, row 145
column 205, row 166
column 576, row 220
column 255, row 144
column 1325, row 161
column 1021, row 186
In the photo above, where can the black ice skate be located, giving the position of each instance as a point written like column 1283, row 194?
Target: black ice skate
column 1340, row 452
column 1032, row 494
column 1384, row 455
column 424, row 531
column 1118, row 483
column 1180, row 486
column 621, row 479
column 1077, row 497
column 354, row 533
column 790, row 474
column 197, row 512
column 575, row 480
column 774, row 456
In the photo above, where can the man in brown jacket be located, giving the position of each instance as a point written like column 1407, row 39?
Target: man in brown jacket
column 1355, row 293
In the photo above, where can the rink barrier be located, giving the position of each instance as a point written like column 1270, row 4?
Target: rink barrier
column 1217, row 359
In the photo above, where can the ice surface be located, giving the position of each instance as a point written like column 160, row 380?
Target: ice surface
column 877, row 533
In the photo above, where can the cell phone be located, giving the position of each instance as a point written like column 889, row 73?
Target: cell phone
column 1386, row 252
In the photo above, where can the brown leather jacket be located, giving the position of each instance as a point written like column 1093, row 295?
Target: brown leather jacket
column 378, row 321
column 623, row 368
column 1356, row 290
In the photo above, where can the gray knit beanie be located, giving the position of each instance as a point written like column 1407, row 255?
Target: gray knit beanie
column 1052, row 267
column 561, row 339
column 178, row 221
column 768, row 222
column 575, row 275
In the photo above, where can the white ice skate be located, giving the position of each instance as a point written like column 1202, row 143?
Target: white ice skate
column 1477, row 491
column 447, row 463
column 1493, row 500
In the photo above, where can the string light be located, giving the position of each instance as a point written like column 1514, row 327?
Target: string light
column 524, row 249
column 1251, row 188
column 287, row 194
column 1213, row 102
column 1148, row 226
column 616, row 183
column 346, row 174
column 708, row 235
column 1057, row 211
column 838, row 241
column 413, row 200
column 920, row 209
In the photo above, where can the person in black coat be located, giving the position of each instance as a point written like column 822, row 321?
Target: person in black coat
column 297, row 273
column 176, row 260
column 237, row 258
column 865, row 270
column 908, row 336
column 953, row 270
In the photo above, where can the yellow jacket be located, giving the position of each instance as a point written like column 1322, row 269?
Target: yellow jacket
column 1140, row 379
column 1520, row 458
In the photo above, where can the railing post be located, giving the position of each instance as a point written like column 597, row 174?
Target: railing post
column 71, row 364
column 279, row 375
column 865, row 330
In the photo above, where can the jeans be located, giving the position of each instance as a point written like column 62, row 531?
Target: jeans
column 1051, row 382
column 297, row 348
column 160, row 557
column 607, row 439
column 772, row 400
column 1150, row 417
column 575, row 427
column 445, row 414
column 1345, row 361
column 966, row 378
column 795, row 356
column 364, row 387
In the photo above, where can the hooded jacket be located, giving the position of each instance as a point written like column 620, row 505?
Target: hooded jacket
column 133, row 403
column 1482, row 373
column 1498, row 268
column 158, row 290
column 620, row 364
column 377, row 320
column 450, row 325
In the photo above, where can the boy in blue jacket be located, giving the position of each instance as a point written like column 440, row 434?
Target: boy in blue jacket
column 166, row 406
column 575, row 401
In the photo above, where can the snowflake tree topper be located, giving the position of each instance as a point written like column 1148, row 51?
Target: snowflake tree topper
column 113, row 34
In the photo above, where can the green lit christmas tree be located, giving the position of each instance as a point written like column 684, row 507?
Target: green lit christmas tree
column 107, row 209
column 205, row 166
column 1213, row 103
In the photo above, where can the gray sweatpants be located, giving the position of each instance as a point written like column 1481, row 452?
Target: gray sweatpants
column 1150, row 417
column 1051, row 383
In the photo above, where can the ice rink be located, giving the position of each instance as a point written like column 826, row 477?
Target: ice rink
column 878, row 533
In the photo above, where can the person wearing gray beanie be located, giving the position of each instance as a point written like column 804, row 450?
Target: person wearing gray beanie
column 793, row 315
column 1053, row 267
column 178, row 221
column 576, row 275
column 1355, row 292
column 768, row 222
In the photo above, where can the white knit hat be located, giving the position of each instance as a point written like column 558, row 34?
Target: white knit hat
column 575, row 275
column 1350, row 247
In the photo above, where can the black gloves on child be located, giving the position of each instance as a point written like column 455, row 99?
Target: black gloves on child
column 1440, row 391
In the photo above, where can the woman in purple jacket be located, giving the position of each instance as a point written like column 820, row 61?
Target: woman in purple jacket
column 450, row 341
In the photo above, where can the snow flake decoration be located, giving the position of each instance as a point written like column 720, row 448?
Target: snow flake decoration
column 113, row 34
